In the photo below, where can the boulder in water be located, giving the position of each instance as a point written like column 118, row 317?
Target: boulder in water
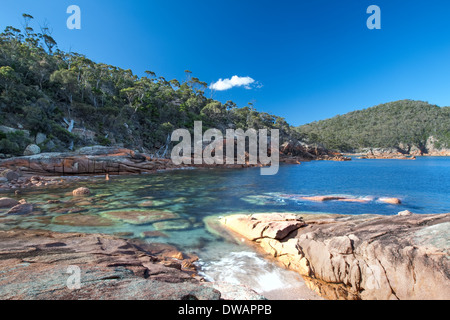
column 81, row 192
column 22, row 208
column 8, row 203
column 391, row 200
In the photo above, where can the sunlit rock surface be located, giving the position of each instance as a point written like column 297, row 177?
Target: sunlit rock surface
column 358, row 257
column 35, row 265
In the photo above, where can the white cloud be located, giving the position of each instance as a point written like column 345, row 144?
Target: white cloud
column 235, row 81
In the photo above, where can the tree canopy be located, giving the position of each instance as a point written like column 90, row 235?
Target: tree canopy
column 42, row 87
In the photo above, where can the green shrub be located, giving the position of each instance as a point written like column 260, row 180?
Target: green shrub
column 104, row 141
column 9, row 147
column 62, row 134
column 36, row 120
column 14, row 143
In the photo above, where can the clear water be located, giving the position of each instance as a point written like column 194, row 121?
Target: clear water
column 197, row 196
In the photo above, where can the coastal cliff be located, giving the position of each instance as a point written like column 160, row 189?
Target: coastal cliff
column 356, row 257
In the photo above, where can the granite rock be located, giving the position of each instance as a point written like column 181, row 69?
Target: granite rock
column 45, row 265
column 361, row 257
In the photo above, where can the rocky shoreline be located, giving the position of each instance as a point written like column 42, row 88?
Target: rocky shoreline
column 398, row 153
column 356, row 257
column 34, row 265
column 111, row 265
column 56, row 169
column 39, row 265
column 340, row 257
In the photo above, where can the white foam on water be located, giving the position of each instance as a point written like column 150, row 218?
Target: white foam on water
column 298, row 198
column 249, row 269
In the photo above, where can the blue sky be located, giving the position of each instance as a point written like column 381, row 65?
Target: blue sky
column 310, row 60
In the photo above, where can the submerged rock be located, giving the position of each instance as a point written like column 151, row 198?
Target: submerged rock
column 322, row 198
column 22, row 208
column 8, row 203
column 261, row 200
column 84, row 203
column 153, row 234
column 334, row 198
column 55, row 201
column 180, row 224
column 139, row 216
column 82, row 220
column 148, row 203
column 235, row 292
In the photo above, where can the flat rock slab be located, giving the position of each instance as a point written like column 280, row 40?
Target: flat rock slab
column 390, row 200
column 38, row 265
column 275, row 226
column 82, row 220
column 93, row 160
column 360, row 256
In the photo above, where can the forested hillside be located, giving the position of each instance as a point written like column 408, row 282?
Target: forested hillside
column 69, row 101
column 402, row 124
column 62, row 101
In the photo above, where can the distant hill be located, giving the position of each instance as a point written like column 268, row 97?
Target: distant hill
column 403, row 125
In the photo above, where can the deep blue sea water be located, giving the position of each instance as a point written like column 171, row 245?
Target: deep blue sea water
column 423, row 185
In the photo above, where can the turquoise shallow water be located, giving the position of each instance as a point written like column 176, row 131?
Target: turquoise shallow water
column 190, row 196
